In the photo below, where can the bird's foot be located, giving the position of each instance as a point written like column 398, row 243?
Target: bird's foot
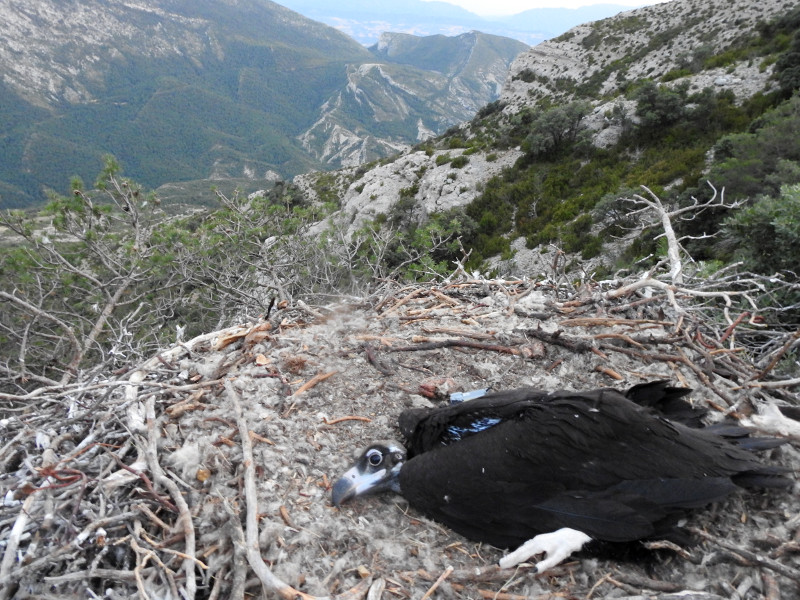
column 556, row 546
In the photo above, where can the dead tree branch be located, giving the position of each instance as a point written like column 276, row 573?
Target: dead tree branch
column 666, row 216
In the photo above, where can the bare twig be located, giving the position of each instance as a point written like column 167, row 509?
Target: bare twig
column 779, row 354
column 342, row 419
column 314, row 381
column 185, row 515
column 12, row 543
column 437, row 583
column 269, row 581
column 558, row 338
column 424, row 343
column 747, row 555
column 653, row 204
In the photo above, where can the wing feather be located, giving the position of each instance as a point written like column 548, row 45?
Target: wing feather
column 595, row 462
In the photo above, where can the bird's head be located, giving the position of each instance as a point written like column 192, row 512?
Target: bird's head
column 376, row 470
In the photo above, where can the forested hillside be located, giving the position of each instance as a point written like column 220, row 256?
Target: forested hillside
column 206, row 91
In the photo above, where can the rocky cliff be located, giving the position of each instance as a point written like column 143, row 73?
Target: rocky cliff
column 421, row 87
column 601, row 58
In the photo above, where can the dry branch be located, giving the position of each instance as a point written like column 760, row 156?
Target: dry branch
column 424, row 343
column 558, row 338
column 269, row 581
column 185, row 515
column 12, row 543
column 437, row 583
column 313, row 381
column 749, row 556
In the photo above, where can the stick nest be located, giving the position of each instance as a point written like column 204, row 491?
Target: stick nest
column 206, row 471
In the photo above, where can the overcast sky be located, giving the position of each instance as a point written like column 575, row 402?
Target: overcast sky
column 511, row 7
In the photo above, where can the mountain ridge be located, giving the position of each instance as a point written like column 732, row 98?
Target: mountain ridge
column 366, row 20
column 181, row 90
column 681, row 53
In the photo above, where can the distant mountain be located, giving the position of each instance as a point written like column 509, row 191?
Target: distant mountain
column 366, row 20
column 699, row 73
column 210, row 89
column 420, row 86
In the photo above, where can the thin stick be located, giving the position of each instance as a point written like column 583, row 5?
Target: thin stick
column 114, row 574
column 772, row 590
column 608, row 371
column 328, row 421
column 401, row 302
column 239, row 577
column 373, row 359
column 437, row 583
column 491, row 595
column 576, row 344
column 427, row 344
column 752, row 557
column 269, row 581
column 477, row 335
column 445, row 298
column 12, row 543
column 184, row 514
column 778, row 355
column 773, row 384
column 313, row 381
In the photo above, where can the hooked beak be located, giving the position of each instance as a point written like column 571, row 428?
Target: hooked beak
column 376, row 470
column 354, row 483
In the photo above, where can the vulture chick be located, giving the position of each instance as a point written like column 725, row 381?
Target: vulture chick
column 545, row 473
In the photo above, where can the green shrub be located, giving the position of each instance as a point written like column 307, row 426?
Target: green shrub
column 456, row 142
column 410, row 191
column 675, row 74
column 592, row 246
column 526, row 75
column 766, row 234
column 459, row 162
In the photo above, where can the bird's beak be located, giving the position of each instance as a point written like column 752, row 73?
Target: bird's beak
column 354, row 483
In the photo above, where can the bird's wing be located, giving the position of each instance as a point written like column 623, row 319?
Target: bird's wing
column 593, row 462
column 427, row 429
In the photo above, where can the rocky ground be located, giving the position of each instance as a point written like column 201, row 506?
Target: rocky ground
column 662, row 37
column 415, row 175
column 122, row 488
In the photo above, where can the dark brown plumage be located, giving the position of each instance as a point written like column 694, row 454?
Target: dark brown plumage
column 511, row 465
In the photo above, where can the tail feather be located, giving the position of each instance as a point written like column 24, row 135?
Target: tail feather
column 668, row 402
column 770, row 477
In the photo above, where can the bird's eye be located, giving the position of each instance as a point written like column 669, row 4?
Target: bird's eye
column 374, row 457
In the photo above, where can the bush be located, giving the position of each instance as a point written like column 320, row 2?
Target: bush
column 456, row 142
column 556, row 129
column 659, row 106
column 766, row 235
column 592, row 247
column 675, row 74
column 459, row 162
